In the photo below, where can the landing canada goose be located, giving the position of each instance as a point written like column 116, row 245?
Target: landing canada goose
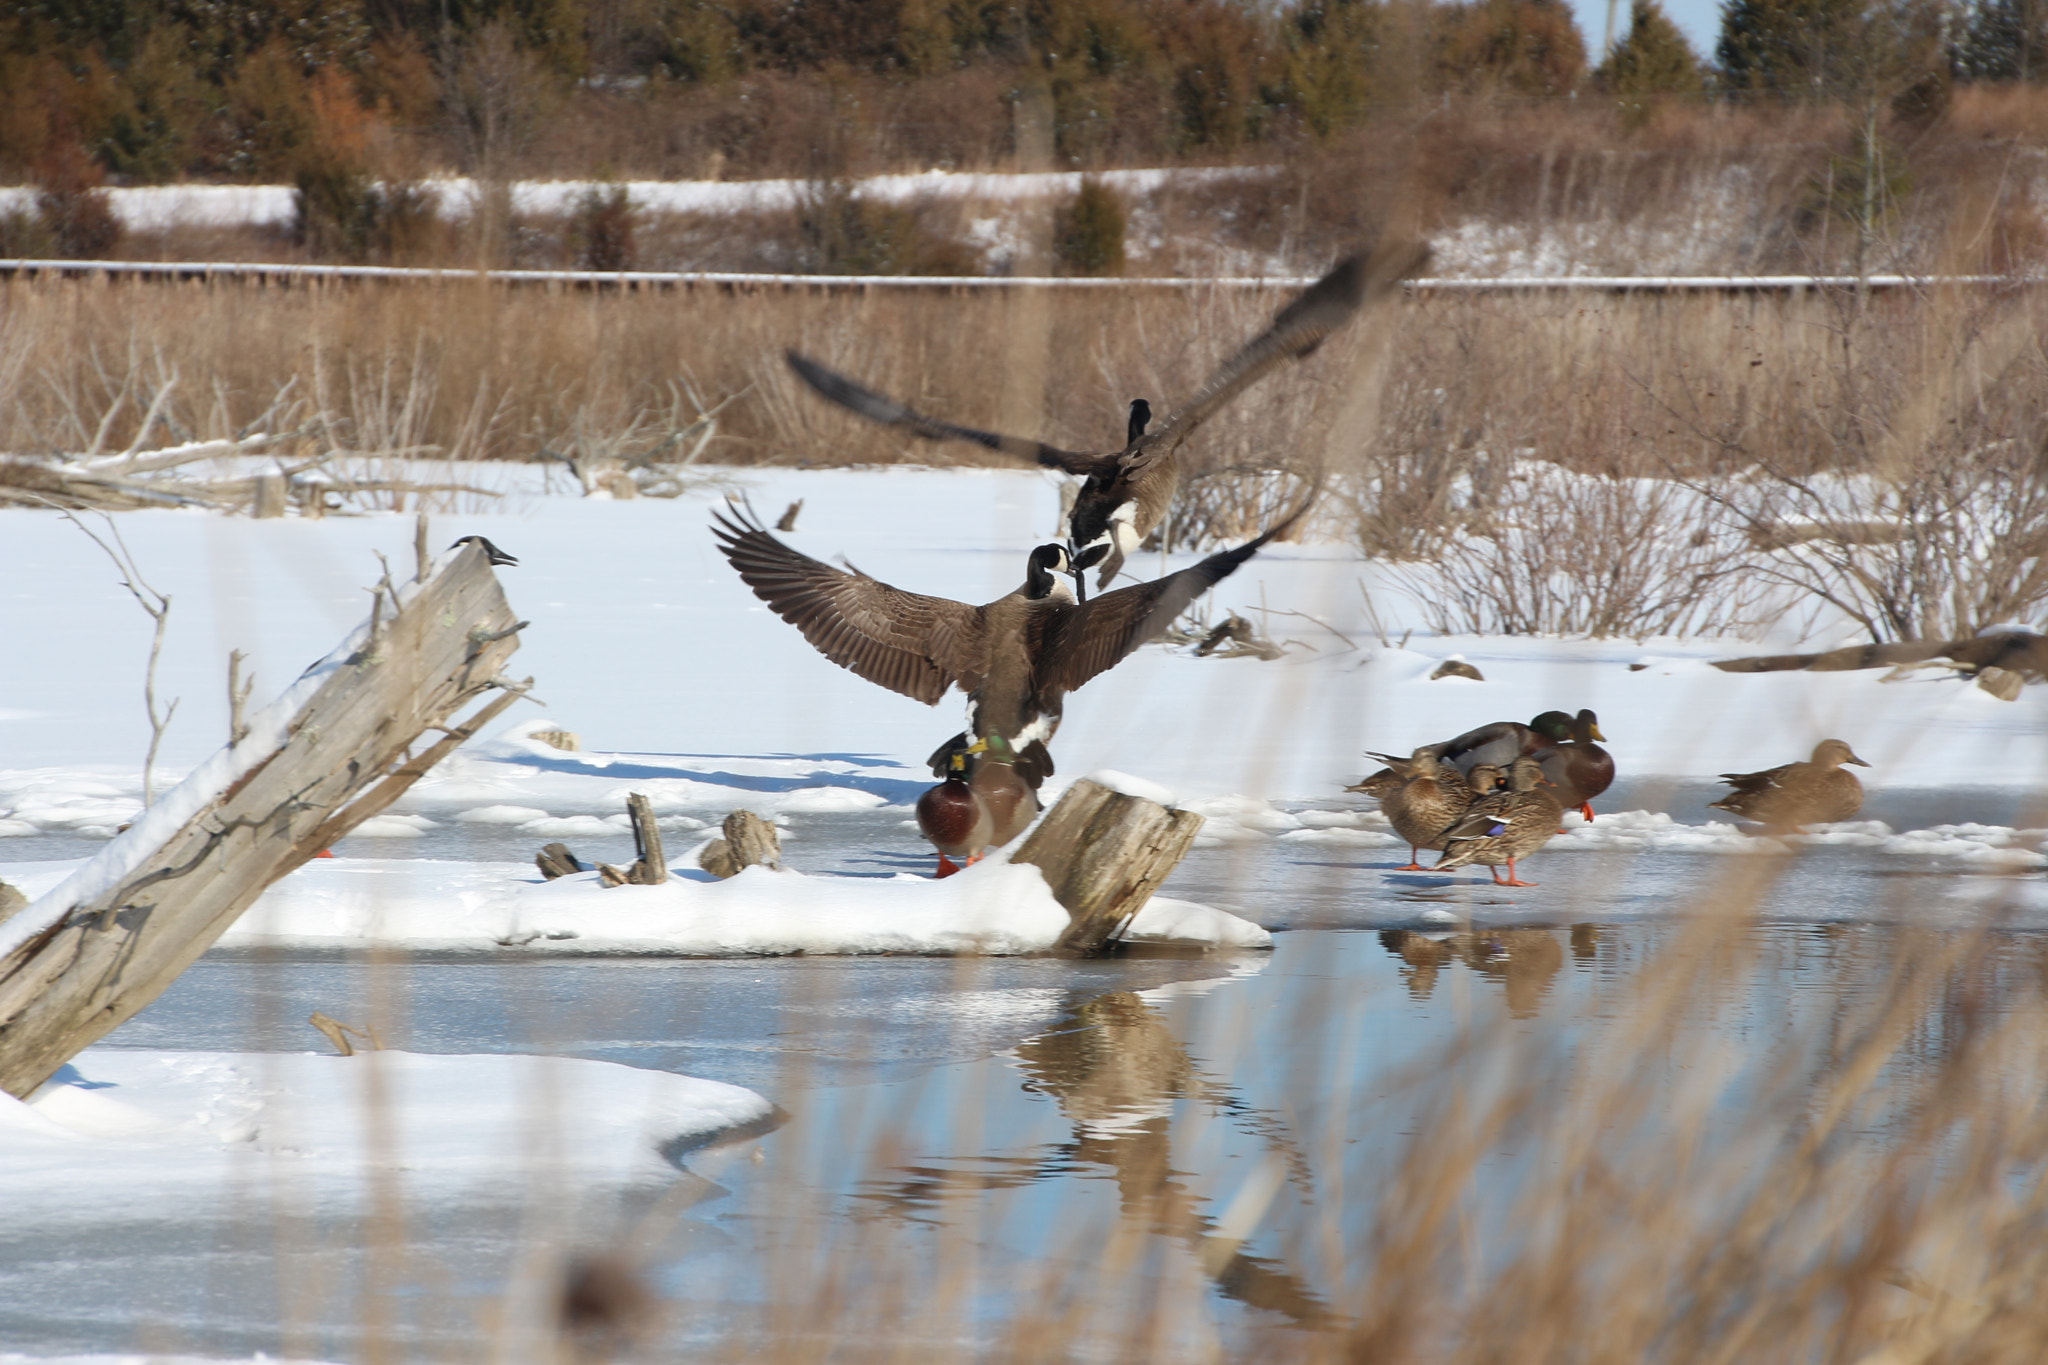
column 1127, row 491
column 1016, row 658
column 1794, row 794
column 1578, row 767
column 1505, row 826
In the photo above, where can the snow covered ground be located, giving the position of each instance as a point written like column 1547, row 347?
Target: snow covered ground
column 682, row 686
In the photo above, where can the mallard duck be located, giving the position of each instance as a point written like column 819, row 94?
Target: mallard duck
column 1428, row 801
column 1579, row 768
column 1505, row 826
column 1795, row 794
column 1503, row 741
column 984, row 803
column 1127, row 491
column 1016, row 658
column 1498, row 744
column 954, row 817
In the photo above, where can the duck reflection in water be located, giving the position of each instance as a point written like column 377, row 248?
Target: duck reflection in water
column 1525, row 961
column 1117, row 1073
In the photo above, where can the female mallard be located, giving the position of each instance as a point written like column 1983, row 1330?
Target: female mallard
column 1579, row 768
column 1127, row 491
column 1429, row 800
column 1795, row 794
column 1506, row 826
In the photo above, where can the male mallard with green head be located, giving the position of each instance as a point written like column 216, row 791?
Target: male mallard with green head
column 954, row 817
column 1506, row 826
column 1816, row 792
column 984, row 803
column 1577, row 766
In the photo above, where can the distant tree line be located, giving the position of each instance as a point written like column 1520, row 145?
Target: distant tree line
column 325, row 90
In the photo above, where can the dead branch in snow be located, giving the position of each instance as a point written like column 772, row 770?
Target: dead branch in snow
column 158, row 606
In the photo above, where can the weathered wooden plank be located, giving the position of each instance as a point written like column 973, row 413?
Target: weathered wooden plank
column 346, row 755
column 1103, row 854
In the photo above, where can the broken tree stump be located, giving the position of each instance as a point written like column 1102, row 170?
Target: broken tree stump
column 555, row 860
column 1103, row 854
column 749, row 840
column 338, row 748
column 650, row 867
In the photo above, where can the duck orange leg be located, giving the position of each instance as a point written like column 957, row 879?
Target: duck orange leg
column 1586, row 809
column 1414, row 861
column 947, row 867
column 1512, row 880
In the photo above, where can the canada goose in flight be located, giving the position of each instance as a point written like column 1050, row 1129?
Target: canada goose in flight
column 1127, row 491
column 1016, row 658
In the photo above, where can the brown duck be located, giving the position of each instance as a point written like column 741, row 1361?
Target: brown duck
column 1791, row 795
column 1126, row 492
column 1506, row 826
column 1429, row 800
column 1577, row 766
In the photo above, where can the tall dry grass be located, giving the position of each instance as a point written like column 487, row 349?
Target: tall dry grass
column 1905, row 426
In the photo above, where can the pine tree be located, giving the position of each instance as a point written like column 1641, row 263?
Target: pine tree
column 2004, row 40
column 1654, row 59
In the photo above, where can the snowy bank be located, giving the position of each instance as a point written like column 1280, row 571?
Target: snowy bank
column 994, row 907
column 170, row 1129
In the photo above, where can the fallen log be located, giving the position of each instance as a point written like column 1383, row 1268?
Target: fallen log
column 337, row 748
column 2017, row 651
column 1103, row 854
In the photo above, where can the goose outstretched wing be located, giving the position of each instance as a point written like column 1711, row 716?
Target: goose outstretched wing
column 904, row 641
column 1088, row 639
column 877, row 407
column 1297, row 329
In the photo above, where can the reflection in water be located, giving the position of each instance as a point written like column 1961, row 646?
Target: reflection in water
column 1117, row 1072
column 1524, row 960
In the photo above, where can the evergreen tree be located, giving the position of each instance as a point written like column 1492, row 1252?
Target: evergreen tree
column 1654, row 59
column 1521, row 47
column 2004, row 40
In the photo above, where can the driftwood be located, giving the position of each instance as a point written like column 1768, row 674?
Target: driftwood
column 1104, row 854
column 650, row 867
column 555, row 860
column 346, row 755
column 339, row 1033
column 749, row 840
column 2015, row 651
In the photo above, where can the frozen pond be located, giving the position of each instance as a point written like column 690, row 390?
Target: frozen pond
column 1008, row 1116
